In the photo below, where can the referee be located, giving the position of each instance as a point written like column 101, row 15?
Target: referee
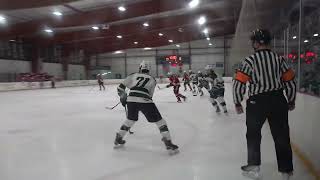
column 268, row 77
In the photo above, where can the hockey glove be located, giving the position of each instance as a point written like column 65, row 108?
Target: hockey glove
column 239, row 108
column 291, row 106
column 169, row 85
column 123, row 99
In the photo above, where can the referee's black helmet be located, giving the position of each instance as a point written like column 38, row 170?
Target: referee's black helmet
column 261, row 36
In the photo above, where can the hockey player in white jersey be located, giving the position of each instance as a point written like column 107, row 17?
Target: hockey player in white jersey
column 141, row 86
column 217, row 95
column 194, row 81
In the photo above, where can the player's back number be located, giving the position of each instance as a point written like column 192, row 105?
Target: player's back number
column 142, row 82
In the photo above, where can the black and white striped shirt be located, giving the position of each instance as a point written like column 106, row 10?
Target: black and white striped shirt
column 265, row 71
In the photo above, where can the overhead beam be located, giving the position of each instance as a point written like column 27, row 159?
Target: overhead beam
column 135, row 29
column 97, row 16
column 27, row 4
column 151, row 40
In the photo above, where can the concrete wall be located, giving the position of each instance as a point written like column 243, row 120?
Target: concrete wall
column 201, row 55
column 14, row 66
column 11, row 67
column 54, row 69
column 76, row 72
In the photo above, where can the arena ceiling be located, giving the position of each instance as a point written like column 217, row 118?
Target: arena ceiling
column 97, row 25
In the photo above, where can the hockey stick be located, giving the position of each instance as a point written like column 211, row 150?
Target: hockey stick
column 110, row 108
column 160, row 88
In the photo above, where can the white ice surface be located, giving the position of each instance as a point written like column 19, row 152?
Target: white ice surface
column 67, row 134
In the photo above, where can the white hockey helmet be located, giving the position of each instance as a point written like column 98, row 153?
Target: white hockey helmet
column 208, row 67
column 144, row 66
column 169, row 73
column 199, row 72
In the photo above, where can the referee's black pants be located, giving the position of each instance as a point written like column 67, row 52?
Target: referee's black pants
column 274, row 107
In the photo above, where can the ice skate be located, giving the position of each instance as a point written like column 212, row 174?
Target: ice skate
column 252, row 172
column 218, row 109
column 225, row 111
column 172, row 148
column 184, row 98
column 119, row 142
column 194, row 93
column 201, row 93
column 286, row 176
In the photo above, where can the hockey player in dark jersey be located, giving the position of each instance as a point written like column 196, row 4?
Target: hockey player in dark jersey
column 203, row 83
column 100, row 82
column 142, row 87
column 217, row 95
column 175, row 82
column 186, row 79
column 210, row 74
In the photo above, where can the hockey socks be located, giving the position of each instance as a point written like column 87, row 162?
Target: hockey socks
column 164, row 131
column 126, row 127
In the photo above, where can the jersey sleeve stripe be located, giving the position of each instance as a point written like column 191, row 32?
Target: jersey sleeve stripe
column 137, row 94
column 140, row 89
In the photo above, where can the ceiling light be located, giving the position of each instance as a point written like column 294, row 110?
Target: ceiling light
column 57, row 13
column 180, row 30
column 210, row 44
column 160, row 34
column 2, row 19
column 194, row 3
column 121, row 8
column 136, row 42
column 12, row 40
column 48, row 30
column 316, row 35
column 202, row 20
column 294, row 37
column 206, row 31
column 106, row 26
column 119, row 36
column 95, row 27
column 118, row 52
column 208, row 38
column 178, row 45
column 306, row 41
column 170, row 40
column 147, row 48
column 145, row 24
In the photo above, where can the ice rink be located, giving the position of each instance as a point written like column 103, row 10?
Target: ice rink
column 67, row 134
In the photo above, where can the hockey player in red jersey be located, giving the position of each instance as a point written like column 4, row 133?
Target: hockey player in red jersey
column 186, row 79
column 175, row 82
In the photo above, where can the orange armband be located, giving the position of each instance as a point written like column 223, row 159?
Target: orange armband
column 242, row 77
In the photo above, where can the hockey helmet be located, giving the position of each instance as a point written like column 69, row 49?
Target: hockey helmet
column 261, row 36
column 144, row 66
column 208, row 67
